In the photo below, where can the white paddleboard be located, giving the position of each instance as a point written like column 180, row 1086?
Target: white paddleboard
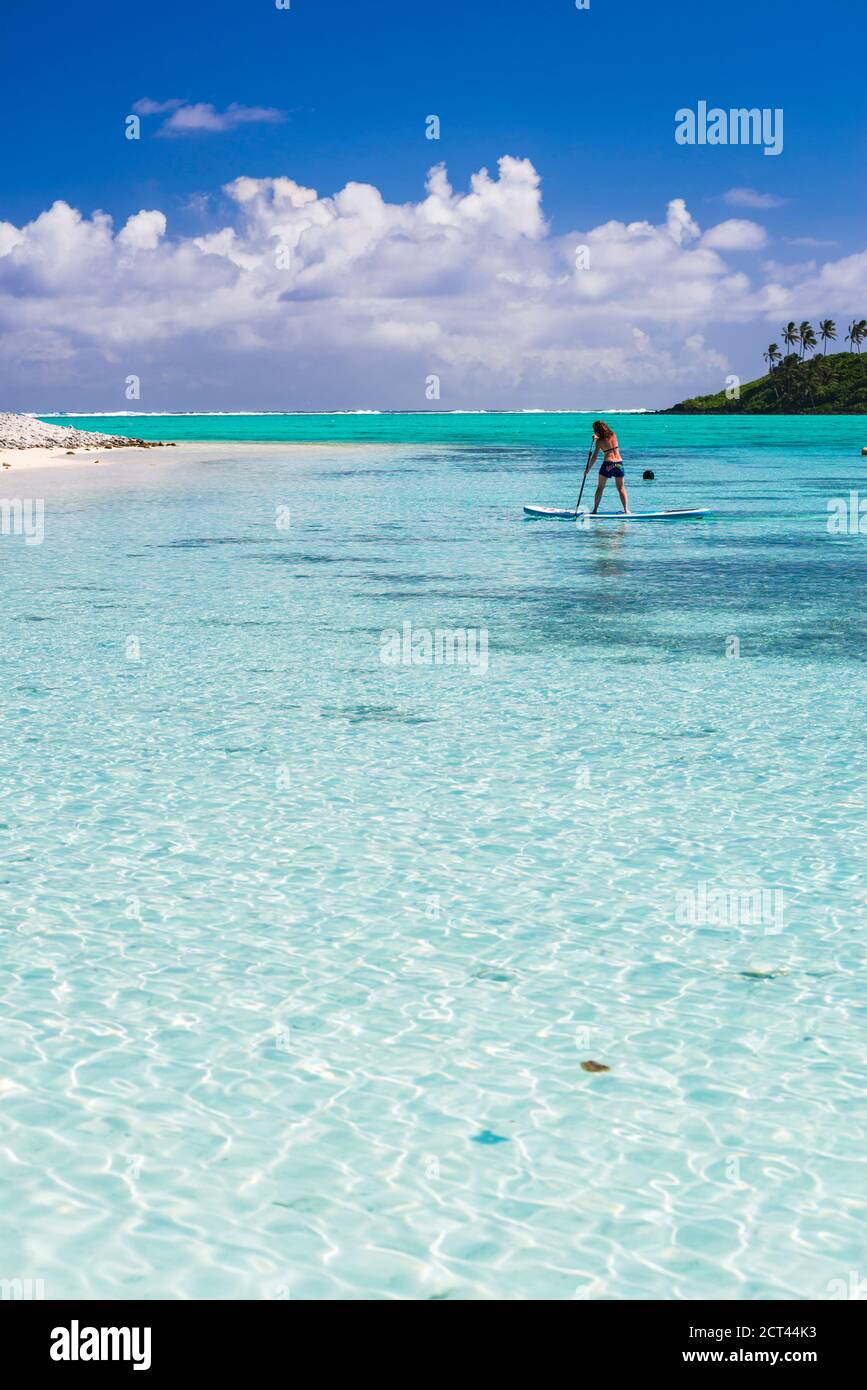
column 582, row 516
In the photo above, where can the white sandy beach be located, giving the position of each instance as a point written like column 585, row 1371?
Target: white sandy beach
column 25, row 460
column 27, row 443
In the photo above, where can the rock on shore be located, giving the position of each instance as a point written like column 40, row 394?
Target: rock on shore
column 24, row 432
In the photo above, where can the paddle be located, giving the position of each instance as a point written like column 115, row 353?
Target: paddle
column 586, row 471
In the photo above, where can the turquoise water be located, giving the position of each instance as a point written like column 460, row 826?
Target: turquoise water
column 491, row 430
column 303, row 952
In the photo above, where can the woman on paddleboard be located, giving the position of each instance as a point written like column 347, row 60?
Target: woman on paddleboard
column 612, row 463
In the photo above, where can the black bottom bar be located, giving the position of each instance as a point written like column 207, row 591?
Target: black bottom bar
column 163, row 1339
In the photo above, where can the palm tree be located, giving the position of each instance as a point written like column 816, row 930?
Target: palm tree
column 807, row 337
column 790, row 335
column 772, row 356
column 828, row 333
column 857, row 333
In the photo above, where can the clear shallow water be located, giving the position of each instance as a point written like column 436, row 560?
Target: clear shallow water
column 302, row 953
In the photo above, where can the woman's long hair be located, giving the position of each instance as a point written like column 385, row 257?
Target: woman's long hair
column 601, row 430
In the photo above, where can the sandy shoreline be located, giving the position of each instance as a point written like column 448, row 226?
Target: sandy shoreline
column 26, row 460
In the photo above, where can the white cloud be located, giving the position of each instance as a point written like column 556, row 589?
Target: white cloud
column 808, row 241
column 202, row 116
column 188, row 118
column 9, row 238
column 735, row 235
column 681, row 227
column 843, row 281
column 143, row 231
column 348, row 299
column 788, row 273
column 146, row 106
column 751, row 198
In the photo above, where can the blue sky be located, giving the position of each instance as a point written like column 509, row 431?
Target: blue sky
column 587, row 97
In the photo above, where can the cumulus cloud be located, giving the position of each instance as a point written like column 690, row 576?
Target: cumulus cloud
column 9, row 238
column 735, row 235
column 681, row 227
column 143, row 231
column 303, row 299
column 751, row 198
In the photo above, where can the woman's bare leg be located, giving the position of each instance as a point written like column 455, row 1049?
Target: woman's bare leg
column 599, row 491
column 621, row 488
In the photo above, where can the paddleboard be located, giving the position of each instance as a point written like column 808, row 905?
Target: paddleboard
column 674, row 515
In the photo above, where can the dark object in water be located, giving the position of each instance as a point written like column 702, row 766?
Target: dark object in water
column 648, row 475
column 594, row 1066
column 487, row 1136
